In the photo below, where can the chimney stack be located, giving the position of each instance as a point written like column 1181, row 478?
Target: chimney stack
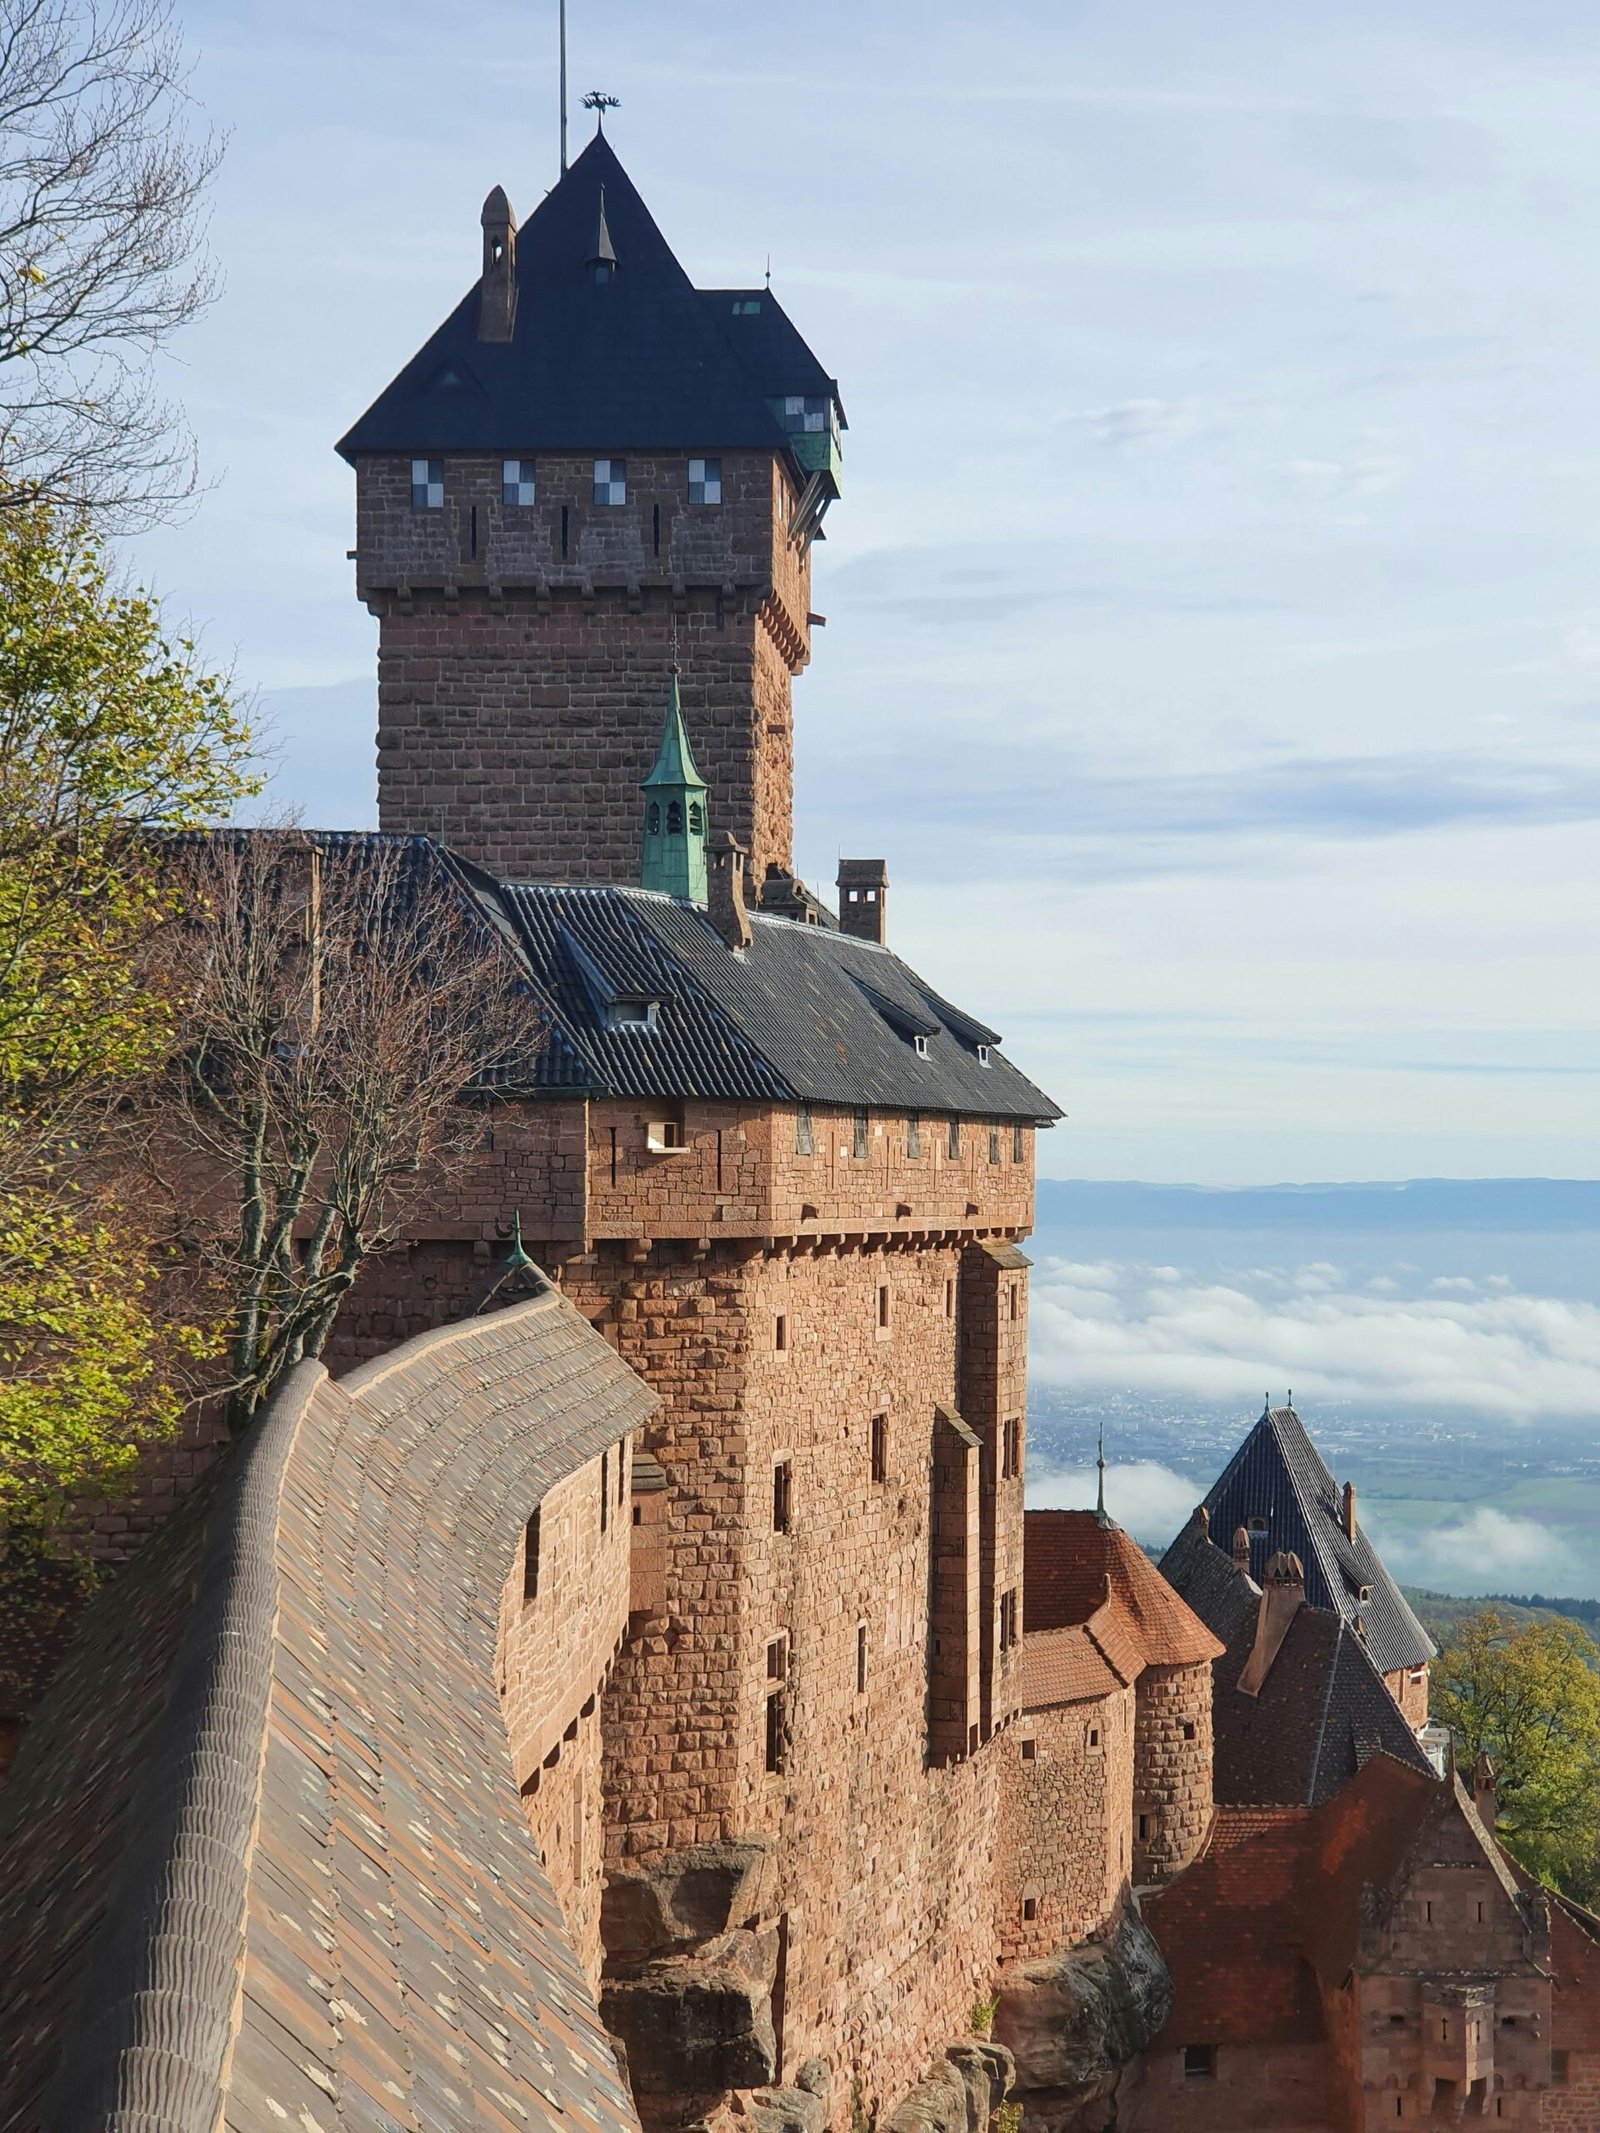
column 863, row 895
column 1483, row 1786
column 1282, row 1590
column 1349, row 1511
column 497, row 295
column 725, row 906
column 1241, row 1551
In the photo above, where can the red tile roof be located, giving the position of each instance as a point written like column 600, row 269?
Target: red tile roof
column 1073, row 1566
column 1066, row 1666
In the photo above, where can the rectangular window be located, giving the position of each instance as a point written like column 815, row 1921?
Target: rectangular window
column 622, row 1468
column 1094, row 1736
column 1144, row 1829
column 804, row 412
column 1008, row 1619
column 427, row 484
column 880, row 1448
column 611, row 481
column 1016, row 1144
column 605, row 1489
column 517, row 482
column 1030, row 1909
column 803, row 1142
column 858, row 1144
column 782, row 1495
column 913, row 1135
column 949, row 1299
column 530, row 1560
column 1011, row 1448
column 1013, row 1302
column 705, row 481
column 861, row 1658
column 994, row 1144
column 1188, row 1729
column 777, row 1675
column 1030, row 1749
column 780, row 1332
column 955, row 1139
column 883, row 1307
column 1199, row 2062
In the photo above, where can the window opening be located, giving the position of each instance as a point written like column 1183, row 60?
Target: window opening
column 883, row 1307
column 427, row 484
column 622, row 1466
column 1030, row 1750
column 605, row 1489
column 919, row 1044
column 530, row 1558
column 705, row 481
column 1016, row 1144
column 782, row 1495
column 1199, row 2062
column 1030, row 1909
column 611, row 481
column 654, row 818
column 1011, row 1448
column 1094, row 1736
column 949, row 1298
column 803, row 1142
column 1144, row 1828
column 1013, row 1301
column 780, row 1332
column 697, row 819
column 777, row 1674
column 955, row 1139
column 913, row 1135
column 517, row 484
column 674, row 818
column 1008, row 1619
column 472, row 533
column 805, row 413
column 655, row 528
column 994, row 1144
column 858, row 1144
column 1188, row 1729
column 861, row 1658
column 563, row 531
column 880, row 1448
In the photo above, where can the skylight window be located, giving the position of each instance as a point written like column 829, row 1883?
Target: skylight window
column 516, row 482
column 427, row 484
column 611, row 481
column 705, row 481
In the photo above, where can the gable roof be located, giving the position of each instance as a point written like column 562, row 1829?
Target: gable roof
column 1074, row 1566
column 1278, row 1475
column 264, row 1839
column 643, row 361
column 1069, row 1666
column 804, row 1014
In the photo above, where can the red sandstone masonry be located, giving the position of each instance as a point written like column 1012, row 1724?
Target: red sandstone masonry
column 1172, row 1769
column 1066, row 1815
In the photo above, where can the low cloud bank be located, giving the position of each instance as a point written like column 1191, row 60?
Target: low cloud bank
column 1460, row 1345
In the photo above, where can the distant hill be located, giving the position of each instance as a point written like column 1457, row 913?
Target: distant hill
column 1438, row 1611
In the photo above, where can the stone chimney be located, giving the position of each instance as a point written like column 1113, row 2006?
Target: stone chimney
column 1241, row 1551
column 1283, row 1588
column 1348, row 1511
column 497, row 294
column 725, row 906
column 1483, row 1790
column 863, row 895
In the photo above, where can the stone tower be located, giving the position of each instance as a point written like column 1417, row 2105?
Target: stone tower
column 590, row 464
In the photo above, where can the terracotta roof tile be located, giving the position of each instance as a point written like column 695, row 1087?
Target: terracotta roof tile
column 1066, row 1666
column 1073, row 1566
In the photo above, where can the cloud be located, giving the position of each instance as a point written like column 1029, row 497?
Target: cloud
column 1120, row 1326
column 1488, row 1551
column 1149, row 1499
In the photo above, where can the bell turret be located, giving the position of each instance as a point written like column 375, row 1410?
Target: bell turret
column 673, row 846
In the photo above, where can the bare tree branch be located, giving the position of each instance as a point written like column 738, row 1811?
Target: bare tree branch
column 102, row 253
column 344, row 1019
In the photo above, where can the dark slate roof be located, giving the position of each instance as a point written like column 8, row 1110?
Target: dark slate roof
column 646, row 361
column 805, row 1014
column 262, row 1854
column 1278, row 1474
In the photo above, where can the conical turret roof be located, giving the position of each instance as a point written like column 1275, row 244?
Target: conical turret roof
column 674, row 763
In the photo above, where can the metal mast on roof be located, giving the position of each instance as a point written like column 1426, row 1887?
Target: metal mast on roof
column 1100, row 1490
column 563, row 88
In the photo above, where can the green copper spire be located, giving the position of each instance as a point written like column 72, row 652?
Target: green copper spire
column 673, row 848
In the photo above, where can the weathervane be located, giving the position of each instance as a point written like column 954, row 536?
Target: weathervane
column 599, row 103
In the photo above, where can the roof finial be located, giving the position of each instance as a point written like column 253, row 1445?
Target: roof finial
column 563, row 88
column 1100, row 1487
column 769, row 270
column 599, row 103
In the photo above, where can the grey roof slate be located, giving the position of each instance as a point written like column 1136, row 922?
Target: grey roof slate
column 273, row 1777
column 1278, row 1475
column 644, row 361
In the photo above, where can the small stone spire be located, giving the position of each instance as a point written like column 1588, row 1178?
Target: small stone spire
column 673, row 844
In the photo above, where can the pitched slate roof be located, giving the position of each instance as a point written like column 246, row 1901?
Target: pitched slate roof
column 805, row 1014
column 1277, row 1475
column 270, row 1798
column 644, row 361
column 1073, row 1566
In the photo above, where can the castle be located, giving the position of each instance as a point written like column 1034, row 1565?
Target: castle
column 620, row 1685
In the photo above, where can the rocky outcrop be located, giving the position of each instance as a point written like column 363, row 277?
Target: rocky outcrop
column 960, row 2096
column 1073, row 2020
column 682, row 1901
column 695, row 2026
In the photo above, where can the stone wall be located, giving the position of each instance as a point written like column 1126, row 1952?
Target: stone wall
column 1251, row 2088
column 1066, row 1821
column 522, row 676
column 1409, row 1688
column 1171, row 1769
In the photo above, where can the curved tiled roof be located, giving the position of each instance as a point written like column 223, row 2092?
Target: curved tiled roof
column 1074, row 1564
column 270, row 1798
column 1067, row 1666
column 1278, row 1478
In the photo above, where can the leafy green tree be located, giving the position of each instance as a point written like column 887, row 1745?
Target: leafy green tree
column 1528, row 1695
column 109, row 731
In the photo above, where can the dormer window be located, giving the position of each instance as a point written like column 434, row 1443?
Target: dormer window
column 921, row 1045
column 427, row 484
column 611, row 481
column 705, row 481
column 630, row 1014
column 600, row 271
column 983, row 1055
column 516, row 482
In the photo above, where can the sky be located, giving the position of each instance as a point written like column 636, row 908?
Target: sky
column 1213, row 641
